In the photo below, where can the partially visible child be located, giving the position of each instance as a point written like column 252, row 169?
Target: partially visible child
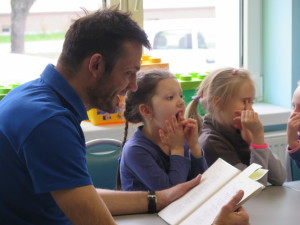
column 164, row 150
column 231, row 129
column 293, row 128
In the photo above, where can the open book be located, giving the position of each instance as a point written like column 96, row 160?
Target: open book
column 219, row 183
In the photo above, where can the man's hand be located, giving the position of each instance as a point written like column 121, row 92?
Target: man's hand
column 165, row 197
column 229, row 216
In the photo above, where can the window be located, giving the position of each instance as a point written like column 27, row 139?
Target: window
column 228, row 33
column 47, row 19
column 194, row 36
column 191, row 35
column 173, row 39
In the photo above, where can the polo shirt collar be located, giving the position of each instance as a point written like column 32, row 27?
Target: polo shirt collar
column 57, row 82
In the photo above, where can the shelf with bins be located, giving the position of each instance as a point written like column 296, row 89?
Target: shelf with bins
column 189, row 84
column 148, row 62
column 4, row 89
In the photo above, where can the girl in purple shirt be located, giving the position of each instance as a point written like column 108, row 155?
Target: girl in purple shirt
column 164, row 151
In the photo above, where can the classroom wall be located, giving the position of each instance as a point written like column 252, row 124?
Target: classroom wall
column 295, row 43
column 281, row 50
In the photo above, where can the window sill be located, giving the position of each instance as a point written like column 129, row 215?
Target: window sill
column 271, row 115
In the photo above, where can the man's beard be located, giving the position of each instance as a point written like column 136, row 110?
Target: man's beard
column 102, row 96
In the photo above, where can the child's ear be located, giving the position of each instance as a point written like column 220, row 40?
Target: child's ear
column 145, row 111
column 216, row 102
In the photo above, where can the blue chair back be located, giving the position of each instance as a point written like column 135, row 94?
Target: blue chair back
column 102, row 161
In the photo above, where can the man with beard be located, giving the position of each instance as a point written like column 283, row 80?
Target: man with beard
column 43, row 172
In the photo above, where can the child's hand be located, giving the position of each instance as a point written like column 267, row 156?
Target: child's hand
column 190, row 128
column 248, row 123
column 245, row 133
column 251, row 123
column 173, row 136
column 293, row 126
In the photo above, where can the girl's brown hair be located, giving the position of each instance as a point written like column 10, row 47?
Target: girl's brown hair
column 147, row 82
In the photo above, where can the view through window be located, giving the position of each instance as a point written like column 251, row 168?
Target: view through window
column 194, row 35
column 190, row 35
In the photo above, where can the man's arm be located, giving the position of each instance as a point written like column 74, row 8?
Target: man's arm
column 130, row 202
column 83, row 206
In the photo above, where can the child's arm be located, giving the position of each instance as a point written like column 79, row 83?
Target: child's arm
column 262, row 155
column 145, row 163
column 191, row 136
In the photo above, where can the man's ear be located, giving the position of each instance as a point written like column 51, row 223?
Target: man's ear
column 96, row 64
column 145, row 111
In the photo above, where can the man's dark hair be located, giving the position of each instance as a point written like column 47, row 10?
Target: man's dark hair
column 104, row 32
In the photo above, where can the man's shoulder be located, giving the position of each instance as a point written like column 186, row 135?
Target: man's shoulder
column 28, row 107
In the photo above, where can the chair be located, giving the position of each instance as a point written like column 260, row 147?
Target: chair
column 102, row 161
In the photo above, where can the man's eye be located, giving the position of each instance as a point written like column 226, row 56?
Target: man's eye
column 129, row 73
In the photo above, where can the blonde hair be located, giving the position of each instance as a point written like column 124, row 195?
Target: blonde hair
column 221, row 84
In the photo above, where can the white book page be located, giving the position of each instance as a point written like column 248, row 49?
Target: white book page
column 207, row 212
column 215, row 177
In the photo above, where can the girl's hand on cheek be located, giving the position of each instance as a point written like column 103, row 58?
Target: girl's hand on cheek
column 246, row 134
column 191, row 135
column 293, row 125
column 252, row 129
column 190, row 128
column 173, row 136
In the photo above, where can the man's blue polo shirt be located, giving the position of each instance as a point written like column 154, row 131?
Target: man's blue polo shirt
column 42, row 149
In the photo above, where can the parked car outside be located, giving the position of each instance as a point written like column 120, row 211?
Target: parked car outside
column 187, row 45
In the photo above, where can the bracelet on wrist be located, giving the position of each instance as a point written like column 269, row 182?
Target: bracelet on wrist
column 151, row 202
column 265, row 145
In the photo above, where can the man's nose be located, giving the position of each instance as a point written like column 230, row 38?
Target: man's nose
column 132, row 86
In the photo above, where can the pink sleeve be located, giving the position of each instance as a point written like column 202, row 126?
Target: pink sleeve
column 290, row 151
